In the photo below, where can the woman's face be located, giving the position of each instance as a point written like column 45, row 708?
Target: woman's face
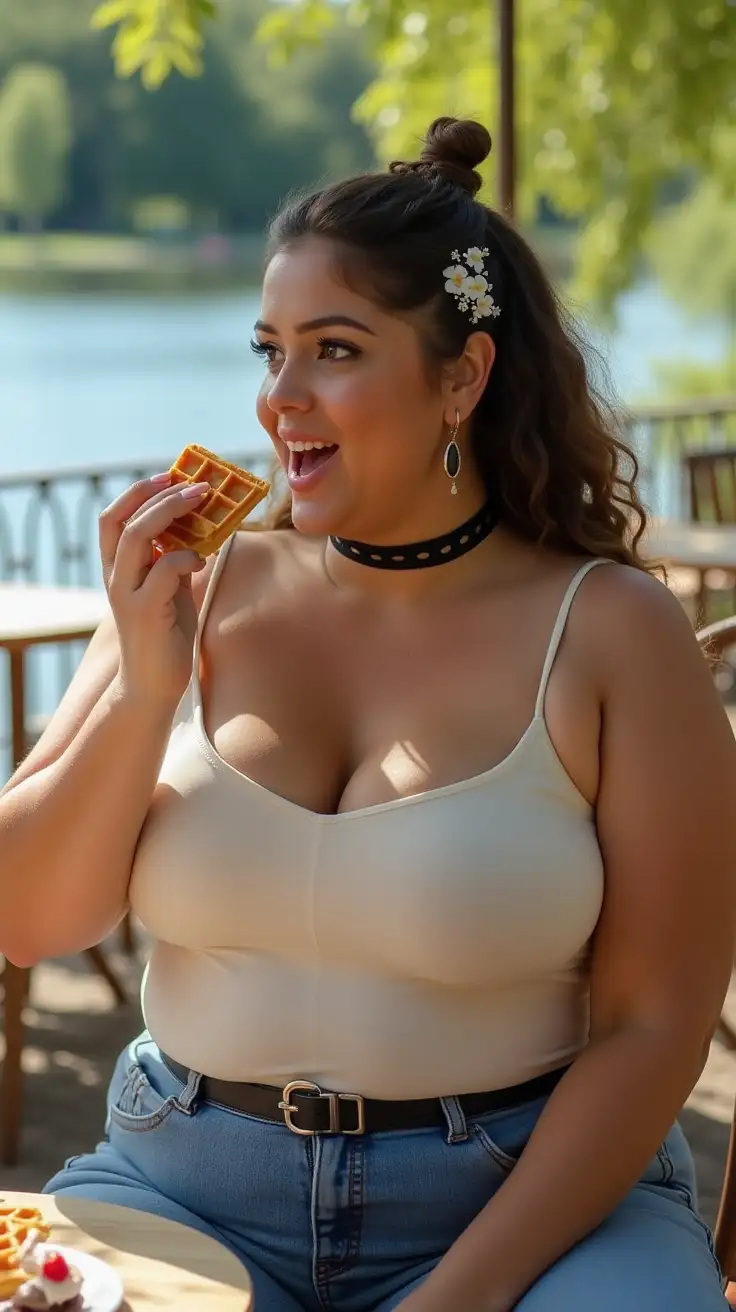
column 346, row 401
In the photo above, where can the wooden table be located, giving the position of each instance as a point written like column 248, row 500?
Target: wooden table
column 162, row 1264
column 32, row 614
column 692, row 546
column 691, row 551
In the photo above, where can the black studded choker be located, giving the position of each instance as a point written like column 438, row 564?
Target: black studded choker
column 420, row 555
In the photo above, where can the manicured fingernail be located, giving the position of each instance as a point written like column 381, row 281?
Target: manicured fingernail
column 196, row 490
column 161, row 478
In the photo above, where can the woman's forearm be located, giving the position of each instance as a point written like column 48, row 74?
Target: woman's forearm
column 602, row 1125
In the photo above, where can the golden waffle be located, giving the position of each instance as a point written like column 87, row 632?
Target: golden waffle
column 235, row 492
column 16, row 1223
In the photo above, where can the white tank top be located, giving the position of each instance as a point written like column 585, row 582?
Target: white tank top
column 425, row 946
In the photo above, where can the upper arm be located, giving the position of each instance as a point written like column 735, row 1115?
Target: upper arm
column 666, row 816
column 93, row 676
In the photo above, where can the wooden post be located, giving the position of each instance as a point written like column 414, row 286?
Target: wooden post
column 16, row 983
column 16, row 980
column 507, row 107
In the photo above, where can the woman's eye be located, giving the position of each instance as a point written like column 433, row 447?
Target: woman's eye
column 336, row 350
column 328, row 350
column 265, row 350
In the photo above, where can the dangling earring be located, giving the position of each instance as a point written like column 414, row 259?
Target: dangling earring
column 453, row 459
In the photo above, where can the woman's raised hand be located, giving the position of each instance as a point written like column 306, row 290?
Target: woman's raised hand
column 151, row 595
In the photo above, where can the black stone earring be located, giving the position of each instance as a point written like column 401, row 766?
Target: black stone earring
column 453, row 460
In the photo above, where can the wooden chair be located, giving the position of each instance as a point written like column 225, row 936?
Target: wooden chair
column 715, row 639
column 16, row 983
column 711, row 477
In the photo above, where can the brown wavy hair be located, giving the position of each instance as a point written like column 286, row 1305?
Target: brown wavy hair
column 547, row 444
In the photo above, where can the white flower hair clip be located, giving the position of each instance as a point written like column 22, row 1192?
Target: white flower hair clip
column 473, row 290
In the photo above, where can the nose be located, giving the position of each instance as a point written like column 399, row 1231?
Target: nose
column 288, row 391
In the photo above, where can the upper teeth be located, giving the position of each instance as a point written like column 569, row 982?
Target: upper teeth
column 306, row 446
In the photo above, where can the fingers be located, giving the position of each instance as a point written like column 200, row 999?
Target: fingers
column 132, row 560
column 164, row 578
column 113, row 518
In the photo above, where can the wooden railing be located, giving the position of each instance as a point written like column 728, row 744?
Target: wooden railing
column 48, row 522
column 662, row 434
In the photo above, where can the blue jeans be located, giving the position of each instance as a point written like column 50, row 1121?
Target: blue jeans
column 339, row 1224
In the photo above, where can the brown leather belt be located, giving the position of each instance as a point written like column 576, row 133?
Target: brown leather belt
column 307, row 1109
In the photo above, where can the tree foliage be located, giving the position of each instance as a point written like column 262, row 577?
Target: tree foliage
column 35, row 137
column 693, row 252
column 618, row 100
column 228, row 143
column 154, row 38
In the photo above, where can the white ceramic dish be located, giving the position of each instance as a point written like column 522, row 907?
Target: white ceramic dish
column 102, row 1288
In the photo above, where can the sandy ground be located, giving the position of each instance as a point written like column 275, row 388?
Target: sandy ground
column 74, row 1033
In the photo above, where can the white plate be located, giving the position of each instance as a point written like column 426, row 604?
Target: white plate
column 102, row 1290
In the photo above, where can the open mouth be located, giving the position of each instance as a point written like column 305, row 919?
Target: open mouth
column 306, row 462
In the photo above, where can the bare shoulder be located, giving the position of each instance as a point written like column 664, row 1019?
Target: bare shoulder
column 626, row 614
column 640, row 646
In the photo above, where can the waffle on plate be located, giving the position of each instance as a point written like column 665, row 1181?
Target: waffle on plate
column 16, row 1223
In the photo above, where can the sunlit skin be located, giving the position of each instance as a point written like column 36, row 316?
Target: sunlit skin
column 366, row 387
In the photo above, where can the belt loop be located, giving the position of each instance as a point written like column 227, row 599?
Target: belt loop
column 187, row 1098
column 457, row 1129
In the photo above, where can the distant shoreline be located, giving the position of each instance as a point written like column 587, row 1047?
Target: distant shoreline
column 88, row 262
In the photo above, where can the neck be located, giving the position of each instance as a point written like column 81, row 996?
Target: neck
column 458, row 574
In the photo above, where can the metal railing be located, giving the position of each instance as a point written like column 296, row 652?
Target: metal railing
column 48, row 522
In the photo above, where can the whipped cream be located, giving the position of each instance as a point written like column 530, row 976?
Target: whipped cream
column 53, row 1281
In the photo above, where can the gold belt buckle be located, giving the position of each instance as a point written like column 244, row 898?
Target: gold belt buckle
column 289, row 1109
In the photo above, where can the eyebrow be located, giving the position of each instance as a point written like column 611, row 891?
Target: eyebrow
column 328, row 321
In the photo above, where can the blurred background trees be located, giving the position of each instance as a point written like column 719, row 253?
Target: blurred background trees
column 622, row 104
column 35, row 137
column 626, row 122
column 226, row 144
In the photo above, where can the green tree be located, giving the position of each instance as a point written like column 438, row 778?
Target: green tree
column 692, row 249
column 228, row 143
column 684, row 379
column 693, row 252
column 617, row 100
column 35, row 138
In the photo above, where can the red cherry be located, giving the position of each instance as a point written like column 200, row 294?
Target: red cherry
column 55, row 1268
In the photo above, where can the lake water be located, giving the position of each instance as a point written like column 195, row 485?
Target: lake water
column 100, row 378
column 97, row 379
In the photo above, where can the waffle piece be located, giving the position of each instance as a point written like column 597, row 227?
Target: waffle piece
column 235, row 492
column 16, row 1223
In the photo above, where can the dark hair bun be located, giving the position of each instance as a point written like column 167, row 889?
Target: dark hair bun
column 455, row 147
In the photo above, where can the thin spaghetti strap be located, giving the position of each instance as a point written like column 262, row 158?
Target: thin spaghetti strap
column 559, row 629
column 204, row 609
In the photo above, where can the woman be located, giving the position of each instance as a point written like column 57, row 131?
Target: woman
column 427, row 812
